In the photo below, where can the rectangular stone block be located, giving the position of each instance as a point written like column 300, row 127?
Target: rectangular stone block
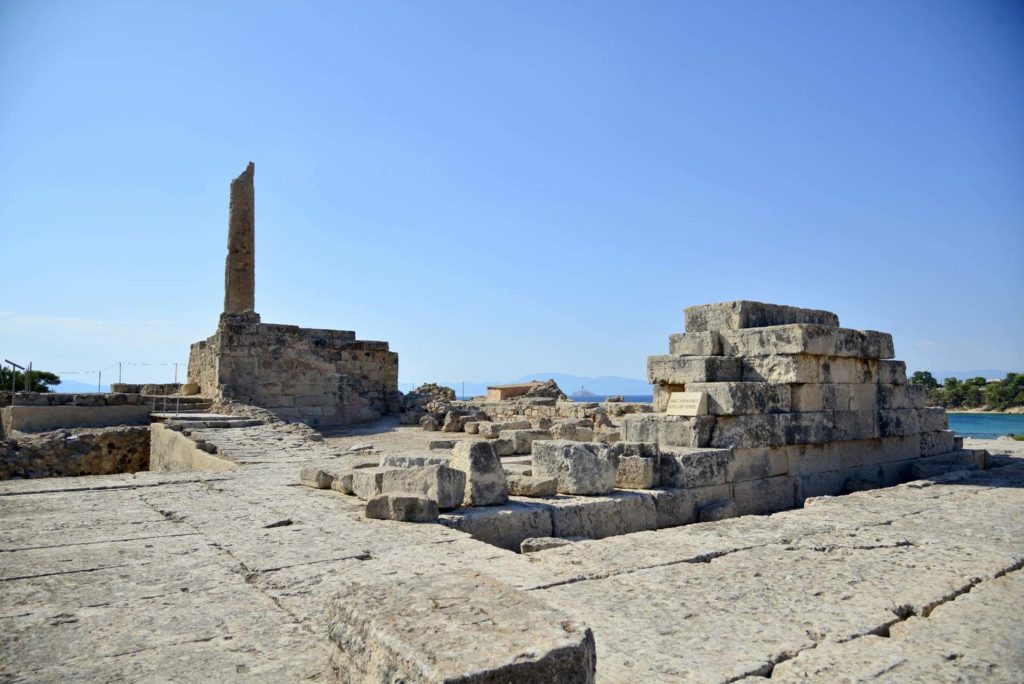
column 917, row 396
column 902, row 448
column 853, row 425
column 780, row 339
column 892, row 372
column 862, row 396
column 807, row 428
column 445, row 486
column 748, row 314
column 668, row 431
column 848, row 370
column 742, row 432
column 580, row 467
column 932, row 419
column 810, row 459
column 781, row 369
column 604, row 516
column 939, row 442
column 676, row 507
column 892, row 396
column 505, row 526
column 828, row 483
column 695, row 344
column 639, row 465
column 679, row 370
column 742, row 398
column 859, row 453
column 405, row 630
column 366, row 482
column 683, row 468
column 522, row 440
column 897, row 423
column 759, row 497
column 757, row 463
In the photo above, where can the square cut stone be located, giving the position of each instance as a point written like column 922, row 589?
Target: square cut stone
column 851, row 425
column 938, row 442
column 680, row 506
column 580, row 467
column 757, row 463
column 366, row 482
column 759, row 497
column 402, row 507
column 430, row 628
column 503, row 526
column 638, row 465
column 318, row 478
column 742, row 398
column 780, row 339
column 932, row 419
column 740, row 432
column 863, row 396
column 663, row 430
column 603, row 516
column 695, row 344
column 917, row 396
column 807, row 428
column 898, row 423
column 446, row 486
column 892, row 372
column 809, row 459
column 788, row 369
column 683, row 468
column 529, row 486
column 523, row 439
column 484, row 478
column 860, row 453
column 679, row 370
column 748, row 314
column 848, row 370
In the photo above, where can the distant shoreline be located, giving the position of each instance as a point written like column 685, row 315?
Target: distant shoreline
column 1014, row 411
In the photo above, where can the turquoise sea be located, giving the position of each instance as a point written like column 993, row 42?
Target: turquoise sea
column 982, row 425
column 986, row 425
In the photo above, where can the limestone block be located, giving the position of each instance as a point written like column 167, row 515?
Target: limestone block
column 535, row 544
column 662, row 394
column 488, row 429
column 780, row 339
column 686, row 431
column 402, row 507
column 503, row 447
column 720, row 509
column 892, row 372
column 455, row 626
column 503, row 526
column 862, row 396
column 880, row 341
column 446, row 486
column 316, row 477
column 695, row 344
column 342, row 482
column 757, row 463
column 809, row 459
column 529, row 486
column 516, row 425
column 937, row 442
column 471, row 427
column 603, row 516
column 902, row 448
column 742, row 432
column 813, row 397
column 829, row 483
column 452, row 422
column 782, row 369
column 676, row 370
column 757, row 497
column 742, row 398
column 917, row 396
column 897, row 423
column 579, row 467
column 430, row 423
column 848, row 370
column 366, row 482
column 485, row 483
column 748, row 314
column 676, row 507
column 523, row 439
column 694, row 467
column 859, row 453
column 441, row 444
column 850, row 425
column 893, row 396
column 412, row 460
column 932, row 419
column 638, row 465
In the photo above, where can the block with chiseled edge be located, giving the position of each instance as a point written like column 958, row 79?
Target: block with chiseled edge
column 748, row 314
column 673, row 369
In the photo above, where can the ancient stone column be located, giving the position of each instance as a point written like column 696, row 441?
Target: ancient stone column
column 240, row 269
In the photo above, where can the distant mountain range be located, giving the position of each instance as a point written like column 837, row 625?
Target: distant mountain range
column 77, row 387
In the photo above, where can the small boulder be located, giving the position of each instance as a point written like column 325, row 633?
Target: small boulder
column 317, row 478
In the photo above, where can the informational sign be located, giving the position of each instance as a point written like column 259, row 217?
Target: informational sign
column 688, row 404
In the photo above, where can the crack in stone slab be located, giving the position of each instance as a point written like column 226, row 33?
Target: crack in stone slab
column 100, row 541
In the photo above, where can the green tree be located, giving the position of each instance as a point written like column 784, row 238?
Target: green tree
column 42, row 381
column 924, row 378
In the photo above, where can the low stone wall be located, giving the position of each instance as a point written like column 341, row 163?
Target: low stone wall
column 72, row 399
column 172, row 452
column 532, row 409
column 44, row 418
column 69, row 453
column 318, row 377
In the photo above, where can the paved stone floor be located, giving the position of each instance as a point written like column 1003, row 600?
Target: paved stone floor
column 204, row 576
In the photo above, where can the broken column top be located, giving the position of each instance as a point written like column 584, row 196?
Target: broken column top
column 240, row 268
column 747, row 314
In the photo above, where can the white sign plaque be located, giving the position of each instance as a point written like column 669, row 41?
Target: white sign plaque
column 688, row 404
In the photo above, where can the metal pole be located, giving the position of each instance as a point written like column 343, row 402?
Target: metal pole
column 28, row 377
column 99, row 380
column 118, row 372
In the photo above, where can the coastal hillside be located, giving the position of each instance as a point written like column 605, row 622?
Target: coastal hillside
column 1006, row 395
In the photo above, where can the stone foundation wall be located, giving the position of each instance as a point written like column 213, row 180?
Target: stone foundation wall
column 318, row 377
column 69, row 453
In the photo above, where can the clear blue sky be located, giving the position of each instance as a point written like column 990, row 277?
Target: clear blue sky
column 499, row 188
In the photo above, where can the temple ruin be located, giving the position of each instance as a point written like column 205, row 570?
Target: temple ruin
column 318, row 377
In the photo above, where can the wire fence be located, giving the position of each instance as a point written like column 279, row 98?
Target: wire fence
column 121, row 366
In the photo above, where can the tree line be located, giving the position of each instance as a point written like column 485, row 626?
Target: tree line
column 41, row 381
column 997, row 395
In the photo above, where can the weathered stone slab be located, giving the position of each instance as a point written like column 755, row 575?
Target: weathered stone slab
column 529, row 486
column 366, row 482
column 402, row 507
column 892, row 372
column 695, row 344
column 680, row 506
column 535, row 544
column 441, row 444
column 412, row 460
column 485, row 483
column 897, row 423
column 758, row 497
column 668, row 430
column 678, row 370
column 744, row 432
column 523, row 439
column 932, row 419
column 503, row 526
column 638, row 465
column 342, row 482
column 318, row 478
column 430, row 629
column 720, row 509
column 603, row 516
column 446, row 486
column 809, row 459
column 937, row 442
column 742, row 398
column 503, row 447
column 781, row 339
column 851, row 425
column 682, row 467
column 748, row 314
column 757, row 463
column 579, row 467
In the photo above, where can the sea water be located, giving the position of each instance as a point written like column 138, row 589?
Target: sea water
column 986, row 425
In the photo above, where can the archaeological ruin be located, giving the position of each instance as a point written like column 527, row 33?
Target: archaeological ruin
column 318, row 377
column 786, row 508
